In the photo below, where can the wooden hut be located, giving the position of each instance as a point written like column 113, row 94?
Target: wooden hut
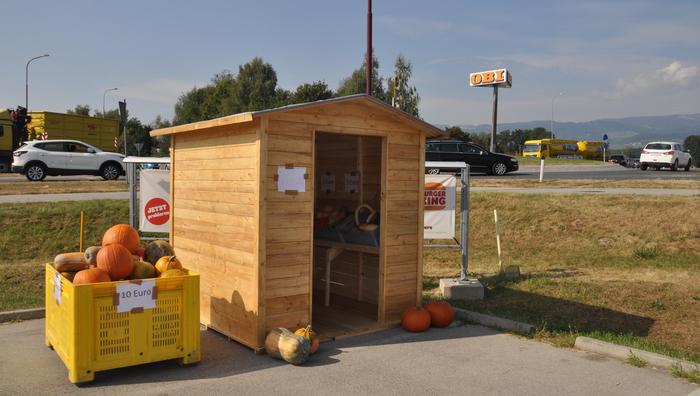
column 263, row 209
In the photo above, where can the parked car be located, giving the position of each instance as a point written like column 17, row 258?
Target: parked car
column 659, row 155
column 618, row 159
column 38, row 158
column 478, row 158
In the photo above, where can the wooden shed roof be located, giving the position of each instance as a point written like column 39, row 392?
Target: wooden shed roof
column 240, row 118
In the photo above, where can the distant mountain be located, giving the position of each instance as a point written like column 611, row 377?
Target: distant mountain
column 630, row 131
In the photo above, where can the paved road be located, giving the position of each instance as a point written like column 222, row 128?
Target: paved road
column 455, row 361
column 603, row 172
column 590, row 190
column 63, row 197
column 6, row 178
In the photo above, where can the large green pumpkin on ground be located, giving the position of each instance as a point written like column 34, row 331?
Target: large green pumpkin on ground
column 283, row 344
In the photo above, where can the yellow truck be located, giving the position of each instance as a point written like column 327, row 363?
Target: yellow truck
column 6, row 141
column 44, row 125
column 560, row 148
column 98, row 132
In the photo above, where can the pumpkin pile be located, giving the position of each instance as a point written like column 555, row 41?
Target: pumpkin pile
column 293, row 348
column 432, row 313
column 120, row 257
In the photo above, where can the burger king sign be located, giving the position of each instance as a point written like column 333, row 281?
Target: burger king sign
column 439, row 207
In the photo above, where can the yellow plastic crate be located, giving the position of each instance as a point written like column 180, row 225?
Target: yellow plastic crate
column 89, row 334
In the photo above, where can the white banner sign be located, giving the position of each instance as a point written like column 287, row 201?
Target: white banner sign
column 155, row 200
column 439, row 213
column 135, row 296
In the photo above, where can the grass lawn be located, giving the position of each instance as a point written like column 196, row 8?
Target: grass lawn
column 32, row 234
column 624, row 267
column 49, row 186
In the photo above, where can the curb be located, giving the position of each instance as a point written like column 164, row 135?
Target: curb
column 623, row 352
column 22, row 314
column 494, row 321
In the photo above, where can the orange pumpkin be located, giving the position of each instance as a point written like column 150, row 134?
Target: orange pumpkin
column 415, row 319
column 91, row 275
column 166, row 263
column 441, row 313
column 115, row 259
column 124, row 235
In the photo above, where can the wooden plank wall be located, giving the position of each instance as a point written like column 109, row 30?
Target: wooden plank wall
column 290, row 136
column 288, row 229
column 214, row 228
column 403, row 224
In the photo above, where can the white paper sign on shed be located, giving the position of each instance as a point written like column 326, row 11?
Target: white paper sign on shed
column 439, row 213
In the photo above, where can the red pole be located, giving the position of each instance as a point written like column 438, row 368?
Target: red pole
column 368, row 63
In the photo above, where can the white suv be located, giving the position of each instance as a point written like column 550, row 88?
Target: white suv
column 38, row 158
column 659, row 155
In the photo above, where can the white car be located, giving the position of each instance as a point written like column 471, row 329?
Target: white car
column 38, row 158
column 659, row 155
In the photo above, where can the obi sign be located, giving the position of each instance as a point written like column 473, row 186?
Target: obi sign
column 154, row 200
column 499, row 77
column 439, row 205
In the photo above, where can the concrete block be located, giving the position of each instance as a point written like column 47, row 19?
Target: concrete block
column 22, row 314
column 623, row 352
column 494, row 321
column 470, row 289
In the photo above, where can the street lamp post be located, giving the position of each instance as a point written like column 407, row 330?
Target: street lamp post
column 103, row 99
column 551, row 122
column 26, row 80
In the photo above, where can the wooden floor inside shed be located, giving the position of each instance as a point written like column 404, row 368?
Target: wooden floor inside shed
column 339, row 320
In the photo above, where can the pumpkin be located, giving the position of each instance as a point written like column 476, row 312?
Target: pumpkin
column 124, row 235
column 70, row 262
column 91, row 254
column 157, row 249
column 174, row 272
column 280, row 343
column 115, row 259
column 441, row 313
column 415, row 319
column 91, row 275
column 140, row 251
column 69, row 275
column 143, row 270
column 167, row 263
column 311, row 335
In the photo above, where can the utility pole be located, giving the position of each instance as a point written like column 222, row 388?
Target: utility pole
column 368, row 62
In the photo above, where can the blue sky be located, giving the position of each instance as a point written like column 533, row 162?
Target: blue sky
column 609, row 58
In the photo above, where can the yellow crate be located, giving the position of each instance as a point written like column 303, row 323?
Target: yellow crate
column 89, row 334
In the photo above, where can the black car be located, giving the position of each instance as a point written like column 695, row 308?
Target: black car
column 618, row 159
column 478, row 158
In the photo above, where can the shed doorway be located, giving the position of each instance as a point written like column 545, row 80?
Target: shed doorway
column 347, row 223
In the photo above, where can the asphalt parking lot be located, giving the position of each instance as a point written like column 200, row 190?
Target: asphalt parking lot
column 459, row 360
column 594, row 172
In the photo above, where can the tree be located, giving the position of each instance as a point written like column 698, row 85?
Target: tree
column 161, row 144
column 255, row 88
column 136, row 132
column 692, row 144
column 355, row 83
column 400, row 94
column 317, row 90
column 457, row 133
column 194, row 106
column 83, row 110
